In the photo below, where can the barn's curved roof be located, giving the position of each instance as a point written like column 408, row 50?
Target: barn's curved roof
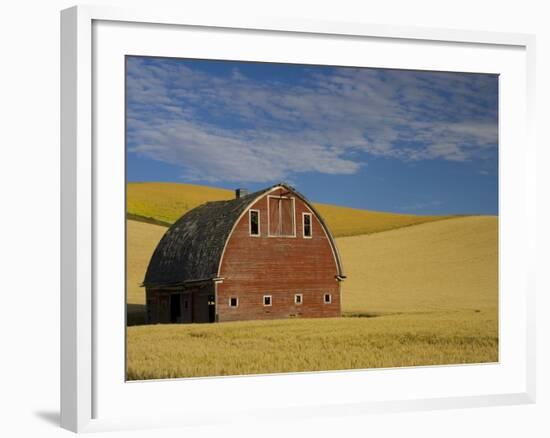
column 192, row 247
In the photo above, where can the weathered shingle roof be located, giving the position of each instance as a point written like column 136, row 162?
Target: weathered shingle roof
column 191, row 248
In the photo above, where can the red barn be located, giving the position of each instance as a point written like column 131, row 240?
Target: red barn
column 263, row 255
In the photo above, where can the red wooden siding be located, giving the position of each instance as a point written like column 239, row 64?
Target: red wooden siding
column 278, row 266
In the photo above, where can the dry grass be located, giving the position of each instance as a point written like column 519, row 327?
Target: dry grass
column 433, row 288
column 166, row 202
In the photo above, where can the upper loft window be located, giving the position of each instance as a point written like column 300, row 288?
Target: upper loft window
column 254, row 222
column 307, row 225
column 281, row 216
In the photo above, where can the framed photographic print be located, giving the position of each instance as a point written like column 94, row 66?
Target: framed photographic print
column 252, row 209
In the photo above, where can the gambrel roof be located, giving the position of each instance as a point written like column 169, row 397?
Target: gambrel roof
column 192, row 248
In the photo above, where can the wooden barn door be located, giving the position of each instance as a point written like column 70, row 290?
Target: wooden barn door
column 175, row 308
column 274, row 213
column 187, row 307
column 164, row 309
column 281, row 216
column 287, row 216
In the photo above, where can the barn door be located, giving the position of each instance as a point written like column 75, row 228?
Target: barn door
column 211, row 308
column 164, row 309
column 281, row 216
column 175, row 308
column 274, row 213
column 187, row 307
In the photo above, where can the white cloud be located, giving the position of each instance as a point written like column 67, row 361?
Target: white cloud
column 240, row 129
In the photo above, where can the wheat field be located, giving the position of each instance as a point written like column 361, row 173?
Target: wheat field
column 441, row 266
column 419, row 295
column 167, row 202
column 260, row 347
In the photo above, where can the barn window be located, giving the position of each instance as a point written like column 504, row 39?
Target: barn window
column 307, row 225
column 233, row 302
column 328, row 298
column 298, row 299
column 267, row 300
column 281, row 216
column 254, row 220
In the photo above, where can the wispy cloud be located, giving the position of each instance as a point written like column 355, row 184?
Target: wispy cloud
column 235, row 127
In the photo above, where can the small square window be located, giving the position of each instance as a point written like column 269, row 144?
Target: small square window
column 298, row 299
column 328, row 298
column 267, row 300
column 233, row 302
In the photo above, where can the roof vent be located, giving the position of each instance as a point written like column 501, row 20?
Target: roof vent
column 239, row 193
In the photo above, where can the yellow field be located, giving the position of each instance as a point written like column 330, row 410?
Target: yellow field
column 446, row 265
column 420, row 295
column 259, row 347
column 166, row 202
column 142, row 240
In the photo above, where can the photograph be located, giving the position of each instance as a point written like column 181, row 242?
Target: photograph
column 285, row 218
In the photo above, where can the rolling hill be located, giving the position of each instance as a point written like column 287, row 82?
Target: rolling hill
column 164, row 203
column 448, row 265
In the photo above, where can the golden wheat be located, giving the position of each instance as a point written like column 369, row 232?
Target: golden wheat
column 259, row 347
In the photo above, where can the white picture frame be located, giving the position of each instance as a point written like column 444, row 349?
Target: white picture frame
column 91, row 392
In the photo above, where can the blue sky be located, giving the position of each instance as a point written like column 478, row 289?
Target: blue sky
column 392, row 140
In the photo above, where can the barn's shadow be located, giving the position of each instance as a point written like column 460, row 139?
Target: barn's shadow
column 135, row 314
